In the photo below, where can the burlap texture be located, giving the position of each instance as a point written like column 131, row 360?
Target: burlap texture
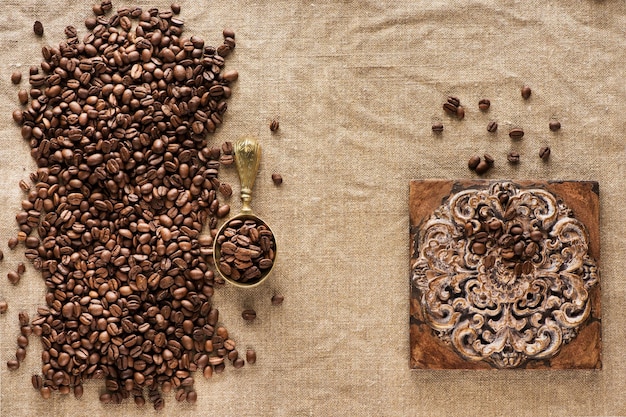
column 356, row 87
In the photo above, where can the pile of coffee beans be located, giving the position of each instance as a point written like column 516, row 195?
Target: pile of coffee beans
column 247, row 250
column 127, row 179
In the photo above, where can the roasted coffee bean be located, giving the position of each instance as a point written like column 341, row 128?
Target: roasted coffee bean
column 489, row 159
column 492, row 126
column 554, row 125
column 12, row 243
column 484, row 104
column 13, row 364
column 536, row 236
column 14, row 277
column 175, row 8
column 473, row 162
column 248, row 314
column 251, row 356
column 277, row 178
column 38, row 28
column 526, row 92
column 460, row 112
column 22, row 97
column 277, row 299
column 454, row 101
column 4, row 306
column 21, row 268
column 450, row 108
column 437, row 127
column 479, row 248
column 274, row 125
column 544, row 153
column 16, row 77
column 482, row 167
column 513, row 157
column 516, row 133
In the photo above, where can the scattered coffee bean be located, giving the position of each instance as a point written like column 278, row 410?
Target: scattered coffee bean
column 13, row 364
column 4, row 306
column 21, row 268
column 460, row 112
column 484, row 104
column 14, row 277
column 489, row 159
column 482, row 167
column 437, row 127
column 22, row 97
column 513, row 157
column 277, row 299
column 238, row 363
column 16, row 77
column 38, row 28
column 516, row 133
column 248, row 314
column 544, row 153
column 246, row 250
column 454, row 101
column 12, row 243
column 251, row 356
column 70, row 32
column 274, row 125
column 450, row 108
column 277, row 178
column 175, row 8
column 492, row 126
column 526, row 92
column 554, row 125
column 106, row 5
column 473, row 162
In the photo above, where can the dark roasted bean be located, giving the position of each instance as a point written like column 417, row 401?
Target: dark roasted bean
column 492, row 126
column 473, row 162
column 484, row 104
column 437, row 127
column 516, row 133
column 544, row 153
column 38, row 28
column 526, row 92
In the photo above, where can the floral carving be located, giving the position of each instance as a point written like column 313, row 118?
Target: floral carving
column 504, row 274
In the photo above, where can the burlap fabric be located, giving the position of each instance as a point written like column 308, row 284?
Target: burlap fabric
column 356, row 87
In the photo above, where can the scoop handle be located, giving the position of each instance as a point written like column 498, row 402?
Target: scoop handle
column 247, row 160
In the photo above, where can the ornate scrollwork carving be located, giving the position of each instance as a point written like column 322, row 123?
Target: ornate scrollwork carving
column 504, row 274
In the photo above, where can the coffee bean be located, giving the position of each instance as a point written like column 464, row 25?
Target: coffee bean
column 526, row 92
column 544, row 153
column 479, row 248
column 277, row 299
column 38, row 28
column 4, row 306
column 21, row 268
column 473, row 162
column 14, row 277
column 175, row 8
column 277, row 178
column 450, row 108
column 274, row 125
column 460, row 112
column 22, row 97
column 12, row 243
column 454, row 101
column 228, row 33
column 13, row 364
column 489, row 159
column 1, row 255
column 16, row 77
column 484, row 104
column 513, row 157
column 492, row 126
column 482, row 167
column 437, row 127
column 516, row 133
column 554, row 125
column 251, row 356
column 536, row 236
column 248, row 314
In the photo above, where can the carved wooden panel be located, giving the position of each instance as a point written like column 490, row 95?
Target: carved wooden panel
column 504, row 274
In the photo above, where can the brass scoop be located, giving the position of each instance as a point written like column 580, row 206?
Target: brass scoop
column 244, row 249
